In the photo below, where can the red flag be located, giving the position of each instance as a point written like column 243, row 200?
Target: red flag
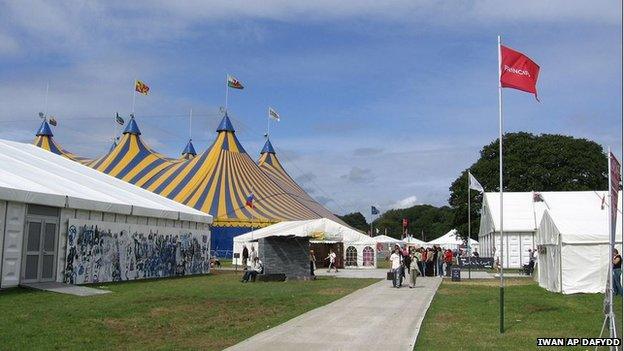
column 518, row 71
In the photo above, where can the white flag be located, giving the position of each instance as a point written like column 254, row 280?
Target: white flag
column 273, row 114
column 474, row 183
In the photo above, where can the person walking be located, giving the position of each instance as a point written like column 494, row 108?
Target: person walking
column 396, row 259
column 440, row 262
column 413, row 272
column 448, row 259
column 617, row 273
column 245, row 256
column 407, row 259
column 423, row 261
column 332, row 261
column 312, row 262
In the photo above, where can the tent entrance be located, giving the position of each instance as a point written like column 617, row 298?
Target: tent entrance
column 40, row 241
column 321, row 251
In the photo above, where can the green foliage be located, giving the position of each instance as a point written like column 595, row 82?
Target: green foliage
column 544, row 162
column 430, row 220
column 356, row 220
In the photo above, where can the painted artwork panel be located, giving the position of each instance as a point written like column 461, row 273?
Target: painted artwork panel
column 108, row 252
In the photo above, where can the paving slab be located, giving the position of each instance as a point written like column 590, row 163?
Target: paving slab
column 378, row 317
column 66, row 288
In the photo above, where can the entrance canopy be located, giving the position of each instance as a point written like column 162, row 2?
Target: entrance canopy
column 384, row 239
column 452, row 240
column 321, row 229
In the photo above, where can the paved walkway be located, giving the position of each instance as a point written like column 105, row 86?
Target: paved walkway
column 378, row 317
column 66, row 288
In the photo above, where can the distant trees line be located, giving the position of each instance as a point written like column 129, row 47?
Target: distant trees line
column 545, row 162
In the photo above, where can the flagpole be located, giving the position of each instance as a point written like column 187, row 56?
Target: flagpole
column 268, row 123
column 45, row 104
column 468, row 240
column 191, row 124
column 611, row 247
column 133, row 96
column 500, row 185
column 226, row 93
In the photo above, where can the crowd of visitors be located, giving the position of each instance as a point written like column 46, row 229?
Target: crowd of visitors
column 413, row 262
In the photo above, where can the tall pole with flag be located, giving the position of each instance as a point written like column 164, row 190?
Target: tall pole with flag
column 517, row 71
column 231, row 82
column 500, row 189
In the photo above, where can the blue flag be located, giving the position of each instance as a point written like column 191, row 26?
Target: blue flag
column 374, row 210
column 118, row 119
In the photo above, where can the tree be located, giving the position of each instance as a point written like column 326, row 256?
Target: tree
column 546, row 162
column 356, row 220
column 426, row 220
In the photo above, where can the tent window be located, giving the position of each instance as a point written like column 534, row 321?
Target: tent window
column 351, row 259
column 368, row 256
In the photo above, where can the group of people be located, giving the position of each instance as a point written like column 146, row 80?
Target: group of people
column 251, row 264
column 412, row 262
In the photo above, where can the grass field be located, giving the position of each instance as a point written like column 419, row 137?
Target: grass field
column 204, row 312
column 464, row 316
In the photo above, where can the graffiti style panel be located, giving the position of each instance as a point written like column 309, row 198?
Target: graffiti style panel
column 108, row 252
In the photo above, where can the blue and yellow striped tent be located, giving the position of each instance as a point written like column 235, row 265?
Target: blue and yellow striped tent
column 219, row 180
column 131, row 159
column 45, row 140
column 270, row 164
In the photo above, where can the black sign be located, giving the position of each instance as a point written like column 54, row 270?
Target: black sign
column 455, row 274
column 477, row 262
column 236, row 255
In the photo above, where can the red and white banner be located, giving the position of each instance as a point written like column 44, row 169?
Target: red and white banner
column 616, row 178
column 518, row 71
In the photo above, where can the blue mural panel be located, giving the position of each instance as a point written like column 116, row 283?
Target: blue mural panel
column 108, row 252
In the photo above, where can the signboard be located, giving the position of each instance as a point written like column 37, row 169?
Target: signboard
column 405, row 222
column 455, row 274
column 477, row 262
column 236, row 255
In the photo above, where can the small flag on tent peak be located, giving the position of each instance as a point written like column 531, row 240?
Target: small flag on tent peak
column 52, row 120
column 273, row 114
column 141, row 87
column 249, row 201
column 234, row 83
column 119, row 119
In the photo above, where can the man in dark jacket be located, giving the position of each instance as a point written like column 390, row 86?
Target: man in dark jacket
column 245, row 256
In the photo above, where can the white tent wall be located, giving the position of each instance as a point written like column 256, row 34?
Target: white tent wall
column 12, row 225
column 573, row 254
column 328, row 229
column 12, row 233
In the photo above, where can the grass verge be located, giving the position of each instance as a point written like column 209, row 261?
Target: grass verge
column 202, row 312
column 465, row 316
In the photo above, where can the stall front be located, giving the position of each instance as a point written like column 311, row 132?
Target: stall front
column 62, row 221
column 353, row 248
column 453, row 241
column 385, row 244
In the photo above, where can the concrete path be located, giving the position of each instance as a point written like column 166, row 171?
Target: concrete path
column 66, row 289
column 378, row 317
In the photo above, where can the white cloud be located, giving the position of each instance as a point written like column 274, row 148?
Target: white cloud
column 405, row 203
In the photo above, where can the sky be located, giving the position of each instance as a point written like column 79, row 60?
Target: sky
column 382, row 103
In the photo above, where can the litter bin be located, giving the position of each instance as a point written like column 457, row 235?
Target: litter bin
column 455, row 274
